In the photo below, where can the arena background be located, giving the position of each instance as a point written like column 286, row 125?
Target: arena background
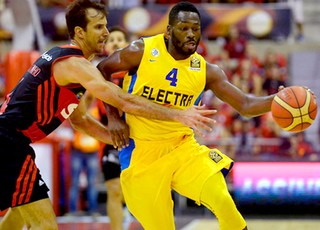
column 272, row 194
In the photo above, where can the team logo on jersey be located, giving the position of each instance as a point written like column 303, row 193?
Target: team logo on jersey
column 34, row 70
column 155, row 52
column 46, row 56
column 195, row 63
column 66, row 112
column 215, row 156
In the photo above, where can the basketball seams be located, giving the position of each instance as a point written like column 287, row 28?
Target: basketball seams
column 294, row 111
column 305, row 107
column 291, row 111
column 296, row 97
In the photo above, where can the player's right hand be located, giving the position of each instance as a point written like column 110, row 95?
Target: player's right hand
column 119, row 132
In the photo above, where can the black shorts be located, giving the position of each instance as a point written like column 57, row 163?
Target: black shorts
column 110, row 163
column 20, row 180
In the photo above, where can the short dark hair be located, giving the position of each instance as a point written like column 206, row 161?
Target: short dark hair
column 181, row 6
column 120, row 29
column 76, row 14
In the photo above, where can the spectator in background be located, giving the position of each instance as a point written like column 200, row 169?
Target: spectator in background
column 233, row 49
column 273, row 79
column 301, row 147
column 247, row 78
column 84, row 159
column 268, row 131
column 298, row 17
column 273, row 58
column 274, row 71
column 251, row 54
column 243, row 131
column 222, row 59
column 235, row 44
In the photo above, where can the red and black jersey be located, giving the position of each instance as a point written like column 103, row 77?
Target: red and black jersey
column 38, row 105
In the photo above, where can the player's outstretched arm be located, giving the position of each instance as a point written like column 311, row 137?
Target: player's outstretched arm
column 81, row 120
column 245, row 104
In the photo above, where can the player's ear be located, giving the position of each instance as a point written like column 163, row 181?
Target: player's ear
column 167, row 34
column 79, row 31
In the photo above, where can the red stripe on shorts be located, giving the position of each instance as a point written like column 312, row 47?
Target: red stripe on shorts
column 23, row 189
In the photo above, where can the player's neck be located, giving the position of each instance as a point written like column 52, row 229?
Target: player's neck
column 86, row 53
column 175, row 53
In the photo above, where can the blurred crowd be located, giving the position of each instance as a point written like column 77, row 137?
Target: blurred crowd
column 248, row 139
column 119, row 3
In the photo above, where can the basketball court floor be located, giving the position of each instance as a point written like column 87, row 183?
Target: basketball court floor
column 192, row 223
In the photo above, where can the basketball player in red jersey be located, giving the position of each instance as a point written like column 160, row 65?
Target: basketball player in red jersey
column 49, row 93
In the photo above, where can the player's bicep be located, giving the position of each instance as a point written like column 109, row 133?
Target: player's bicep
column 77, row 71
column 81, row 71
column 74, row 70
column 126, row 59
column 218, row 82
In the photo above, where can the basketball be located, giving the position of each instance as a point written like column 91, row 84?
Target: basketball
column 294, row 108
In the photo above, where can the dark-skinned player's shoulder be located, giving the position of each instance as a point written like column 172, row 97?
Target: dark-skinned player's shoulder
column 214, row 69
column 136, row 45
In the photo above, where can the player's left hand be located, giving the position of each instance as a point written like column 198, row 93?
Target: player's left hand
column 198, row 118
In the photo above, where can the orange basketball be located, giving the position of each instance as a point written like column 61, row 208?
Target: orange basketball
column 294, row 108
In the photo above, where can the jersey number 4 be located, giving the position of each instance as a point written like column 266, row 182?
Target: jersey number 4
column 172, row 77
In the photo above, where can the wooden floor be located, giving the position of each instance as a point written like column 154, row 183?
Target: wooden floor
column 191, row 223
column 92, row 223
column 256, row 224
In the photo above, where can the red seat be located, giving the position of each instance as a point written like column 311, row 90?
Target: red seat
column 16, row 64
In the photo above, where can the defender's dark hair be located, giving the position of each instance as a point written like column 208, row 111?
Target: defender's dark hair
column 76, row 14
column 181, row 6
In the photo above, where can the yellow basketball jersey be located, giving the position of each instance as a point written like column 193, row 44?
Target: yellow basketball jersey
column 164, row 80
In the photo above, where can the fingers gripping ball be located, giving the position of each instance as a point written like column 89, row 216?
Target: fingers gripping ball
column 294, row 108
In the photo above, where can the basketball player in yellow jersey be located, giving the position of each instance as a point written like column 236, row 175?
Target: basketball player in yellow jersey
column 164, row 155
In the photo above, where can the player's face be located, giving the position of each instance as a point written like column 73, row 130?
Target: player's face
column 186, row 33
column 116, row 40
column 96, row 32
